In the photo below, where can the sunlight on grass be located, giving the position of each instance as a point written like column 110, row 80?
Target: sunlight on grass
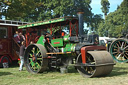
column 11, row 76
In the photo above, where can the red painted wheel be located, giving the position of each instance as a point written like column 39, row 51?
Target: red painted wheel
column 4, row 60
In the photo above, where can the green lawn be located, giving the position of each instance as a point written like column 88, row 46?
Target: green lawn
column 11, row 76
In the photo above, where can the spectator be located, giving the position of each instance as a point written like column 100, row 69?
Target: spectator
column 16, row 34
column 17, row 38
column 21, row 55
column 22, row 38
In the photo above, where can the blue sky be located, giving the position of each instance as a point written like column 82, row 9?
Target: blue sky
column 96, row 6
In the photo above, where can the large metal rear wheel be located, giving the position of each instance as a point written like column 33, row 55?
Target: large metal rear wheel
column 35, row 58
column 98, row 63
column 119, row 50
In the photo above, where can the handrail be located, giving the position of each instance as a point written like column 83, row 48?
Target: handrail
column 16, row 46
column 12, row 23
column 16, row 42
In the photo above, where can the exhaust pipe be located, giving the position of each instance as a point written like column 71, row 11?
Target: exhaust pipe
column 80, row 18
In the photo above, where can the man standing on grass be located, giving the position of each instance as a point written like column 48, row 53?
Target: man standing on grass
column 22, row 49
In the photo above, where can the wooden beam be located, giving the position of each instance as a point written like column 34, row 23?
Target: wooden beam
column 59, row 53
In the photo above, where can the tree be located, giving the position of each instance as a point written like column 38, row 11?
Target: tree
column 36, row 10
column 3, row 7
column 95, row 21
column 116, row 23
column 105, row 6
column 19, row 9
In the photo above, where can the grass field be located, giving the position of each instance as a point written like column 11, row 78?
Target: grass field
column 11, row 76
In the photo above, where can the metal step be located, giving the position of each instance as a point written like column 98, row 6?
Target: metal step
column 54, row 63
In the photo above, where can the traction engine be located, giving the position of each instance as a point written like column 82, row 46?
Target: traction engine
column 119, row 49
column 82, row 51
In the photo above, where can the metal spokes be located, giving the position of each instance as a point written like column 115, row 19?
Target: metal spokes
column 35, row 59
column 88, row 70
column 119, row 50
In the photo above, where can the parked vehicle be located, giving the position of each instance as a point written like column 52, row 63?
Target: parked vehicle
column 57, row 49
column 119, row 49
column 8, row 46
column 106, row 41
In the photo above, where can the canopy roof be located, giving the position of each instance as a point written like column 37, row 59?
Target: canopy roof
column 61, row 21
column 11, row 23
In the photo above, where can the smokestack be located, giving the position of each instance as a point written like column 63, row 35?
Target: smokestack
column 80, row 17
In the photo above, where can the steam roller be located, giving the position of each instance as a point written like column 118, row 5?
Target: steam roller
column 88, row 63
column 57, row 52
column 119, row 50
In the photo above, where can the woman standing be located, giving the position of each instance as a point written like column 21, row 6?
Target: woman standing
column 21, row 55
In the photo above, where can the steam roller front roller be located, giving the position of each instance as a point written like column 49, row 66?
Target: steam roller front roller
column 119, row 50
column 98, row 63
column 35, row 58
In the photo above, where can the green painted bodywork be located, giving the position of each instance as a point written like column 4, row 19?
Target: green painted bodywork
column 63, row 46
column 41, row 40
column 46, row 22
column 66, row 38
column 57, row 42
column 69, row 47
column 41, row 23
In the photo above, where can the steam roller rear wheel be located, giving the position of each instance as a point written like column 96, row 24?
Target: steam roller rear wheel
column 98, row 63
column 119, row 50
column 35, row 58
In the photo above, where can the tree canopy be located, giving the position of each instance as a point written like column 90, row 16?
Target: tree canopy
column 36, row 10
column 105, row 7
column 116, row 23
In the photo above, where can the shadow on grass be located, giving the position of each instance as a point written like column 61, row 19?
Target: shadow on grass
column 118, row 71
column 72, row 69
column 4, row 73
column 14, row 64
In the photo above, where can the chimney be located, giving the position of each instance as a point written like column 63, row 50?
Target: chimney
column 80, row 17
